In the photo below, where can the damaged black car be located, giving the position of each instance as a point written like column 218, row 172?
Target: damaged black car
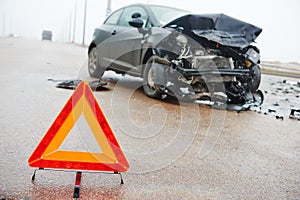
column 190, row 56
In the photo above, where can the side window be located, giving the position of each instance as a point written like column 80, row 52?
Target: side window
column 114, row 18
column 128, row 12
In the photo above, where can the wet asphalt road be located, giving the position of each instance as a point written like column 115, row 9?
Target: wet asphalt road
column 175, row 151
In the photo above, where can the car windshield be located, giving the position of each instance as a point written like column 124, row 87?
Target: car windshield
column 167, row 14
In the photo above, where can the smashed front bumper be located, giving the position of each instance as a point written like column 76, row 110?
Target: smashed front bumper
column 214, row 72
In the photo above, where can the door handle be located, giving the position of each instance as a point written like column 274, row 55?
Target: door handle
column 114, row 32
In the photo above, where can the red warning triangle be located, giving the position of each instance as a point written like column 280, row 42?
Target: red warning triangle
column 48, row 155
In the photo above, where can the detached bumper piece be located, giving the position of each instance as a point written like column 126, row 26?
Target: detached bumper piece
column 72, row 84
column 220, row 102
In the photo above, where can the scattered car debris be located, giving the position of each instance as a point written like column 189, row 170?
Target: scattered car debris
column 271, row 110
column 279, row 117
column 220, row 102
column 295, row 114
column 281, row 99
column 72, row 84
column 98, row 85
column 68, row 84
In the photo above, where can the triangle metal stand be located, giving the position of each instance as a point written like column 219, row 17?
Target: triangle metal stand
column 77, row 178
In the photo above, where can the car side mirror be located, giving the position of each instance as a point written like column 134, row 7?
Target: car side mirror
column 136, row 15
column 137, row 23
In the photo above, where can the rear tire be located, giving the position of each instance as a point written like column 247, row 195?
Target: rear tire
column 151, row 89
column 94, row 69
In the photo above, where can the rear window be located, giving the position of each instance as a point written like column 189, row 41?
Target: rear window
column 114, row 18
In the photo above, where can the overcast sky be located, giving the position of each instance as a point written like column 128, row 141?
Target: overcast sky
column 279, row 41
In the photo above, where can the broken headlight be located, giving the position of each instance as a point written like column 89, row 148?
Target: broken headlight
column 252, row 57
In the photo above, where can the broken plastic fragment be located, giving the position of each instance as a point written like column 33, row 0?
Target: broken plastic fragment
column 279, row 117
column 72, row 84
column 295, row 114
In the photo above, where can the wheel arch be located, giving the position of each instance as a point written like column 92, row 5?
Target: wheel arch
column 149, row 53
column 92, row 45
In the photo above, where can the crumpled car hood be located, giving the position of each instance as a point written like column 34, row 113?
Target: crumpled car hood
column 219, row 28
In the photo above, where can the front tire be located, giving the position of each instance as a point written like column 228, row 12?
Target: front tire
column 256, row 78
column 151, row 88
column 94, row 69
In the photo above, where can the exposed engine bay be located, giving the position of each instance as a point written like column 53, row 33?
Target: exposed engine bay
column 209, row 64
